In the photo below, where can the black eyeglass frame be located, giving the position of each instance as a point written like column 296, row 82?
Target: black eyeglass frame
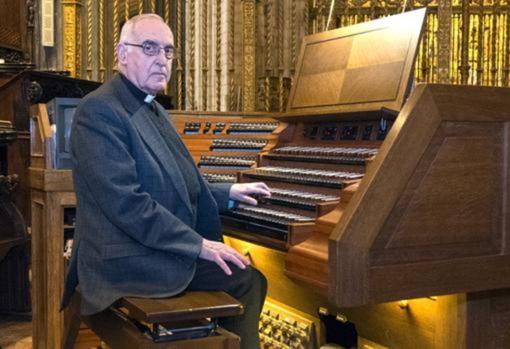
column 147, row 45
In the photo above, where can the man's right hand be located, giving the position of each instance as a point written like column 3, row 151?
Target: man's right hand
column 220, row 254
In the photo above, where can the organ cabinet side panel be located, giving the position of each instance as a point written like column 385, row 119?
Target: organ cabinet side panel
column 442, row 173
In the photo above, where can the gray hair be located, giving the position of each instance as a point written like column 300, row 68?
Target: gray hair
column 128, row 29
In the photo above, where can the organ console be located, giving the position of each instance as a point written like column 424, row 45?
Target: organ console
column 330, row 140
column 380, row 193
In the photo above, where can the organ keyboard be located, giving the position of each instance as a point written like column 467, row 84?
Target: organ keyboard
column 222, row 144
column 341, row 155
column 332, row 179
column 227, row 144
column 252, row 127
column 216, row 161
column 219, row 178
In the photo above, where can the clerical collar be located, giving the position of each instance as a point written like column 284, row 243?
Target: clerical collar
column 149, row 98
column 139, row 94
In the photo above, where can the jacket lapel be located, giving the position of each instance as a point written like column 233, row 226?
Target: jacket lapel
column 140, row 117
column 156, row 143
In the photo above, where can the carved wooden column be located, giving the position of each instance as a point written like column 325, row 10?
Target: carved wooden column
column 71, row 28
column 464, row 65
column 180, row 56
column 249, row 48
column 444, row 14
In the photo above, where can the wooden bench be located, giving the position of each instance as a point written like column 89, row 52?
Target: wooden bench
column 188, row 320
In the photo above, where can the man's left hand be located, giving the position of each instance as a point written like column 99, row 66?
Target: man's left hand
column 243, row 192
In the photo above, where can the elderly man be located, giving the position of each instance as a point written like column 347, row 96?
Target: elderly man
column 147, row 223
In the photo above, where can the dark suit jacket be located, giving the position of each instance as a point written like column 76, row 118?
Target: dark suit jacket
column 133, row 234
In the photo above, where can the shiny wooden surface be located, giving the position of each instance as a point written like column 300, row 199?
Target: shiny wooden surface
column 441, row 172
column 359, row 67
column 189, row 305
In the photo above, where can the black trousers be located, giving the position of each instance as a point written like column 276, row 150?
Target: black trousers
column 248, row 286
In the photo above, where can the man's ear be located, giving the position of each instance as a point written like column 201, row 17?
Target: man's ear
column 121, row 53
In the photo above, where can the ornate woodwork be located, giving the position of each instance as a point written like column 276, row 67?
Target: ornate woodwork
column 14, row 238
column 16, row 35
column 72, row 36
column 249, row 52
column 464, row 42
column 17, row 94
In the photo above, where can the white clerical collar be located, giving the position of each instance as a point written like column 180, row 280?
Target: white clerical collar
column 149, row 98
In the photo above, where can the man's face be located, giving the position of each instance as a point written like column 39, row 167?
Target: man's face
column 148, row 73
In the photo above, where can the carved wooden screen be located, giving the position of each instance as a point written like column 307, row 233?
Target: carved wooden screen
column 16, row 30
column 10, row 26
column 476, row 53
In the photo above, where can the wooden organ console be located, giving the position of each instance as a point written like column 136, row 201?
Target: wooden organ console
column 382, row 194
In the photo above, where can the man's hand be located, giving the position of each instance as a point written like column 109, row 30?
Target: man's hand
column 220, row 254
column 242, row 192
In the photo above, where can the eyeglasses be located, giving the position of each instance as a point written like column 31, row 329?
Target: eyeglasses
column 151, row 48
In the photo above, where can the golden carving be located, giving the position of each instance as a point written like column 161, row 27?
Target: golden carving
column 506, row 58
column 293, row 36
column 179, row 55
column 102, row 68
column 444, row 14
column 166, row 11
column 72, row 48
column 89, row 39
column 464, row 66
column 127, row 9
column 249, row 48
column 205, row 68
column 116, row 15
column 269, row 52
column 306, row 16
column 218, row 54
column 232, row 69
column 140, row 7
column 464, row 41
column 281, row 21
column 190, row 102
column 153, row 6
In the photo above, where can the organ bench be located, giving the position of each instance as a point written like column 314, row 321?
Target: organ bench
column 188, row 320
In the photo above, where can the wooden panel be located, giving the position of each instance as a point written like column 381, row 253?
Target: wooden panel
column 350, row 257
column 189, row 305
column 452, row 205
column 39, row 332
column 360, row 67
column 444, row 181
column 387, row 323
column 475, row 320
column 12, row 24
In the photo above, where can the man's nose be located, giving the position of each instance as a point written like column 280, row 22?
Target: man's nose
column 160, row 57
